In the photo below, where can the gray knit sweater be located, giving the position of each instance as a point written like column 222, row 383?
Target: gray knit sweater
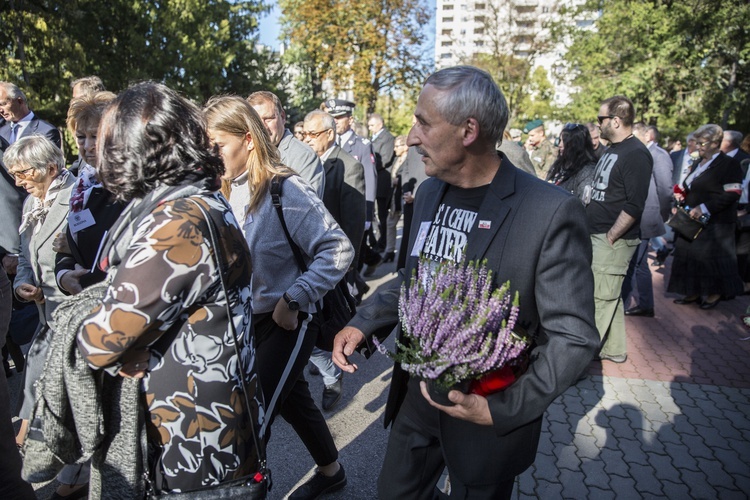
column 326, row 249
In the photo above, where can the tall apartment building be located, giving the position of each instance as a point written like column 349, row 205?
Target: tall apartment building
column 513, row 27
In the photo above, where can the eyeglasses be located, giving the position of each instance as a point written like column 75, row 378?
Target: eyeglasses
column 601, row 119
column 702, row 144
column 21, row 174
column 314, row 135
column 572, row 126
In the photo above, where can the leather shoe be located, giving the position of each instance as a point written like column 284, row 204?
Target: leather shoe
column 637, row 311
column 320, row 484
column 710, row 305
column 332, row 394
column 371, row 267
column 687, row 300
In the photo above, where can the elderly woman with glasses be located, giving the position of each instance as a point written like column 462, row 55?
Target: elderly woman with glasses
column 38, row 166
column 574, row 168
column 707, row 266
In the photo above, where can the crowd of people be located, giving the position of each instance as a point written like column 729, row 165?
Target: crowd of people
column 207, row 238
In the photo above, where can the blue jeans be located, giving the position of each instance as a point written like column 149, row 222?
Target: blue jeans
column 322, row 359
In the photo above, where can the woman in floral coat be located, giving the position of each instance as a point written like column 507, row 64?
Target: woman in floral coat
column 164, row 315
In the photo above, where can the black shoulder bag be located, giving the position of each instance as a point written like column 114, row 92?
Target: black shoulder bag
column 256, row 485
column 338, row 304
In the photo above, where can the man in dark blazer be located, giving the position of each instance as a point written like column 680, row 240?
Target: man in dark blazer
column 531, row 234
column 20, row 121
column 682, row 160
column 344, row 197
column 383, row 146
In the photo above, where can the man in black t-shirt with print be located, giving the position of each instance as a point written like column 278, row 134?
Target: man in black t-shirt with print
column 478, row 206
column 617, row 201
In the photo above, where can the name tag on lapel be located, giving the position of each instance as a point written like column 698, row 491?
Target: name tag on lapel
column 424, row 228
column 80, row 220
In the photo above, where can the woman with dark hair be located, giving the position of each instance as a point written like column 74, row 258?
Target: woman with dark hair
column 575, row 166
column 164, row 317
column 707, row 265
column 284, row 296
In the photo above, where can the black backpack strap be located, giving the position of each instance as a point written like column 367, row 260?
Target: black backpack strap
column 276, row 184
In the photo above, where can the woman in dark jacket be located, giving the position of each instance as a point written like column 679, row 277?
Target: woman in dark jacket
column 574, row 168
column 707, row 266
column 93, row 209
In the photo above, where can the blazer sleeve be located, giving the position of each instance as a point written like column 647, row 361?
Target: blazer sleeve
column 567, row 338
column 352, row 204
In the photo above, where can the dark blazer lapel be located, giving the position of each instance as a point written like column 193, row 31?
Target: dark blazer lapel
column 331, row 160
column 30, row 128
column 495, row 208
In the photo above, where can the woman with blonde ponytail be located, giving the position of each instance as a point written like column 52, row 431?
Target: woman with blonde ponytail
column 285, row 314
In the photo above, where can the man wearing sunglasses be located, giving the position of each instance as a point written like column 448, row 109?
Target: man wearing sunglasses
column 618, row 198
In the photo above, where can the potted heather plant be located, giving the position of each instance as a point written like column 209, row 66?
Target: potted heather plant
column 458, row 332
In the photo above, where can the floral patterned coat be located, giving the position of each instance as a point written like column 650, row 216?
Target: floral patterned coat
column 166, row 297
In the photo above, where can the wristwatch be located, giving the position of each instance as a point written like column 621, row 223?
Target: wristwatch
column 292, row 304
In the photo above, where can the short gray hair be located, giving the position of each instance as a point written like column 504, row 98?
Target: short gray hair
column 34, row 151
column 470, row 92
column 712, row 132
column 734, row 136
column 326, row 120
column 13, row 91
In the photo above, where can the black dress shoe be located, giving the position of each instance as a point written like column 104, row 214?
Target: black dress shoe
column 687, row 300
column 637, row 311
column 320, row 484
column 710, row 305
column 332, row 394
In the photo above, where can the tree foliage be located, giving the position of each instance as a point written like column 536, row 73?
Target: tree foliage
column 683, row 63
column 526, row 87
column 199, row 47
column 368, row 48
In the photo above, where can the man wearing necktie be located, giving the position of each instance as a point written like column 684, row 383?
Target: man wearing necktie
column 20, row 121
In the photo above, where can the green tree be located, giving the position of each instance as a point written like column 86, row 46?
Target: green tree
column 366, row 47
column 682, row 63
column 512, row 41
column 199, row 47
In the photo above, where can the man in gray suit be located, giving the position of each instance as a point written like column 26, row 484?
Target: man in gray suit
column 20, row 121
column 485, row 441
column 294, row 153
column 637, row 281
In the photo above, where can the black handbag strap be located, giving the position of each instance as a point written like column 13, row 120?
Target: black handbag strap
column 276, row 184
column 260, row 446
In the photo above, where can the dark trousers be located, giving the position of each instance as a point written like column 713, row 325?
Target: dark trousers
column 414, row 460
column 11, row 484
column 403, row 249
column 382, row 205
column 282, row 356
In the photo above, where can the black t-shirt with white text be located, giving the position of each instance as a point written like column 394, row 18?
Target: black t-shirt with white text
column 620, row 184
column 453, row 221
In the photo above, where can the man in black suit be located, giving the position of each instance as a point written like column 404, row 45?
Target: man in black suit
column 683, row 159
column 344, row 197
column 383, row 146
column 484, row 441
column 730, row 146
column 19, row 119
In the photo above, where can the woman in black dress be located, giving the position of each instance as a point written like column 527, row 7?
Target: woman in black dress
column 707, row 266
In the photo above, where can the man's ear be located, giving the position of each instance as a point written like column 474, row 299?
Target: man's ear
column 470, row 131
